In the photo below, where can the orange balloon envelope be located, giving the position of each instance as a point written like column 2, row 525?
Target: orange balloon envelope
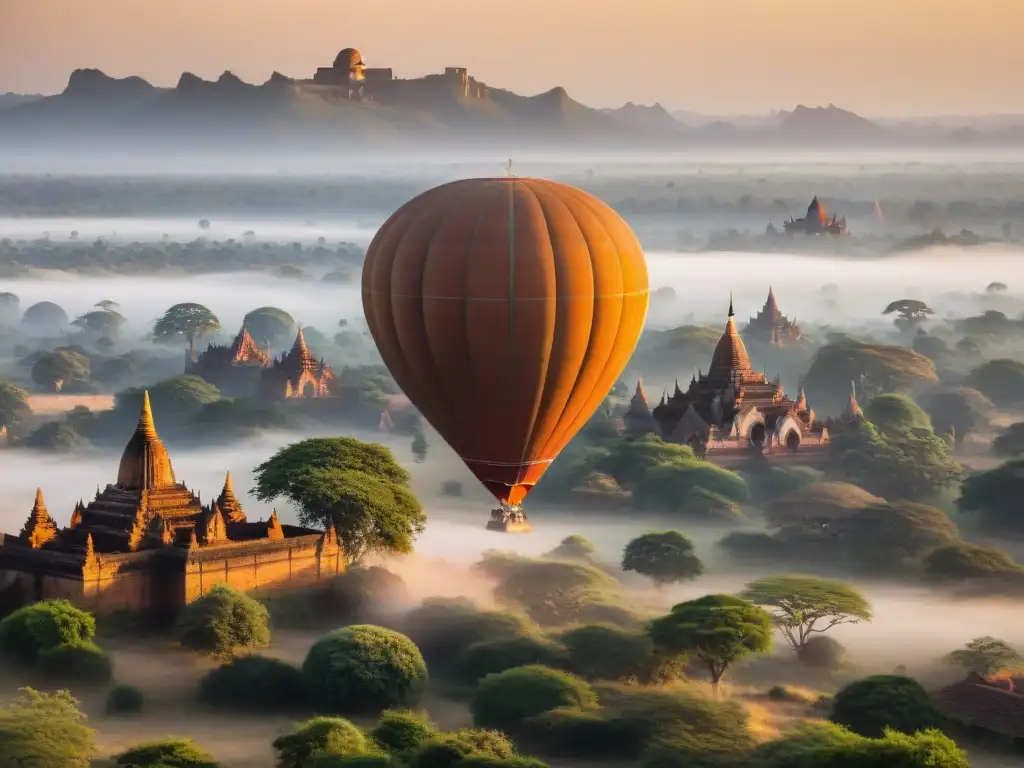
column 505, row 309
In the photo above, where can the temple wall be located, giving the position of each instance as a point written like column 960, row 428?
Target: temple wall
column 297, row 565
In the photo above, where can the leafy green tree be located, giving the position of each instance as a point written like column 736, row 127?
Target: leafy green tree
column 45, row 319
column 573, row 547
column 490, row 656
column 1001, row 381
column 666, row 557
column 600, row 652
column 402, row 732
column 186, row 321
column 1008, row 443
column 14, row 407
column 873, row 704
column 29, row 631
column 717, row 629
column 963, row 560
column 253, row 683
column 994, row 497
column 364, row 668
column 961, row 410
column 804, row 605
column 60, row 367
column 895, row 414
column 912, row 466
column 555, row 592
column 506, row 699
column 270, row 325
column 222, row 621
column 876, row 368
column 45, row 730
column 910, row 313
column 166, row 753
column 985, row 656
column 419, row 446
column 320, row 737
column 357, row 487
column 174, row 399
column 100, row 322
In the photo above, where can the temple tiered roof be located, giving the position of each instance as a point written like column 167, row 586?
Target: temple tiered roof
column 40, row 527
column 145, row 464
column 297, row 373
column 638, row 419
column 770, row 326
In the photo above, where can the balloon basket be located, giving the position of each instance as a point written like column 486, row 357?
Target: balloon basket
column 508, row 520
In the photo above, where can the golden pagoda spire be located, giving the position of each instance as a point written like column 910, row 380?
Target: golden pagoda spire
column 274, row 529
column 229, row 504
column 146, row 425
column 91, row 561
column 145, row 464
column 40, row 527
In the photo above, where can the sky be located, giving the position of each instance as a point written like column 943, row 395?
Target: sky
column 876, row 57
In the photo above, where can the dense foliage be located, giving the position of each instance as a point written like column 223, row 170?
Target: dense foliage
column 254, row 683
column 506, row 699
column 872, row 705
column 665, row 557
column 363, row 668
column 166, row 753
column 223, row 621
column 42, row 626
column 45, row 730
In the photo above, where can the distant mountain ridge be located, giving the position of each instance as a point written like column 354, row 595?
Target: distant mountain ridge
column 446, row 108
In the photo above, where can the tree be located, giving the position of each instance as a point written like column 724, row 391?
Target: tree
column 357, row 487
column 804, row 605
column 1009, row 443
column 1002, row 381
column 419, row 446
column 491, row 656
column 270, row 325
column 173, row 400
column 320, row 737
column 187, row 321
column 223, row 621
column 994, row 496
column 874, row 704
column 45, row 319
column 913, row 465
column 573, row 547
column 717, row 629
column 107, row 304
column 45, row 730
column 55, row 369
column 910, row 313
column 876, row 368
column 364, row 668
column 895, row 414
column 14, row 407
column 504, row 700
column 599, row 652
column 42, row 626
column 101, row 322
column 555, row 592
column 963, row 560
column 253, row 682
column 402, row 732
column 961, row 410
column 932, row 347
column 985, row 656
column 665, row 557
column 166, row 753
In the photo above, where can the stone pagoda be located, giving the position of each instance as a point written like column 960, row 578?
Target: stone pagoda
column 772, row 327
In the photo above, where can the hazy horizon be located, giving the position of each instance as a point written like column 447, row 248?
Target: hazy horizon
column 877, row 58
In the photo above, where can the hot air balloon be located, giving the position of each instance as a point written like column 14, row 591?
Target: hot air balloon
column 505, row 309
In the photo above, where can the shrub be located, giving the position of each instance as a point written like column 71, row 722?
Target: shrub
column 821, row 651
column 450, row 749
column 442, row 629
column 77, row 662
column 871, row 705
column 963, row 560
column 358, row 594
column 46, row 624
column 402, row 732
column 320, row 736
column 168, row 753
column 491, row 656
column 44, row 730
column 364, row 668
column 582, row 734
column 506, row 699
column 554, row 592
column 572, row 548
column 124, row 699
column 599, row 652
column 222, row 621
column 253, row 683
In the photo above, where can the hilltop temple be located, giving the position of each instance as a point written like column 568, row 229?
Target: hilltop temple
column 350, row 75
column 815, row 222
column 297, row 373
column 233, row 368
column 146, row 542
column 772, row 327
column 731, row 408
